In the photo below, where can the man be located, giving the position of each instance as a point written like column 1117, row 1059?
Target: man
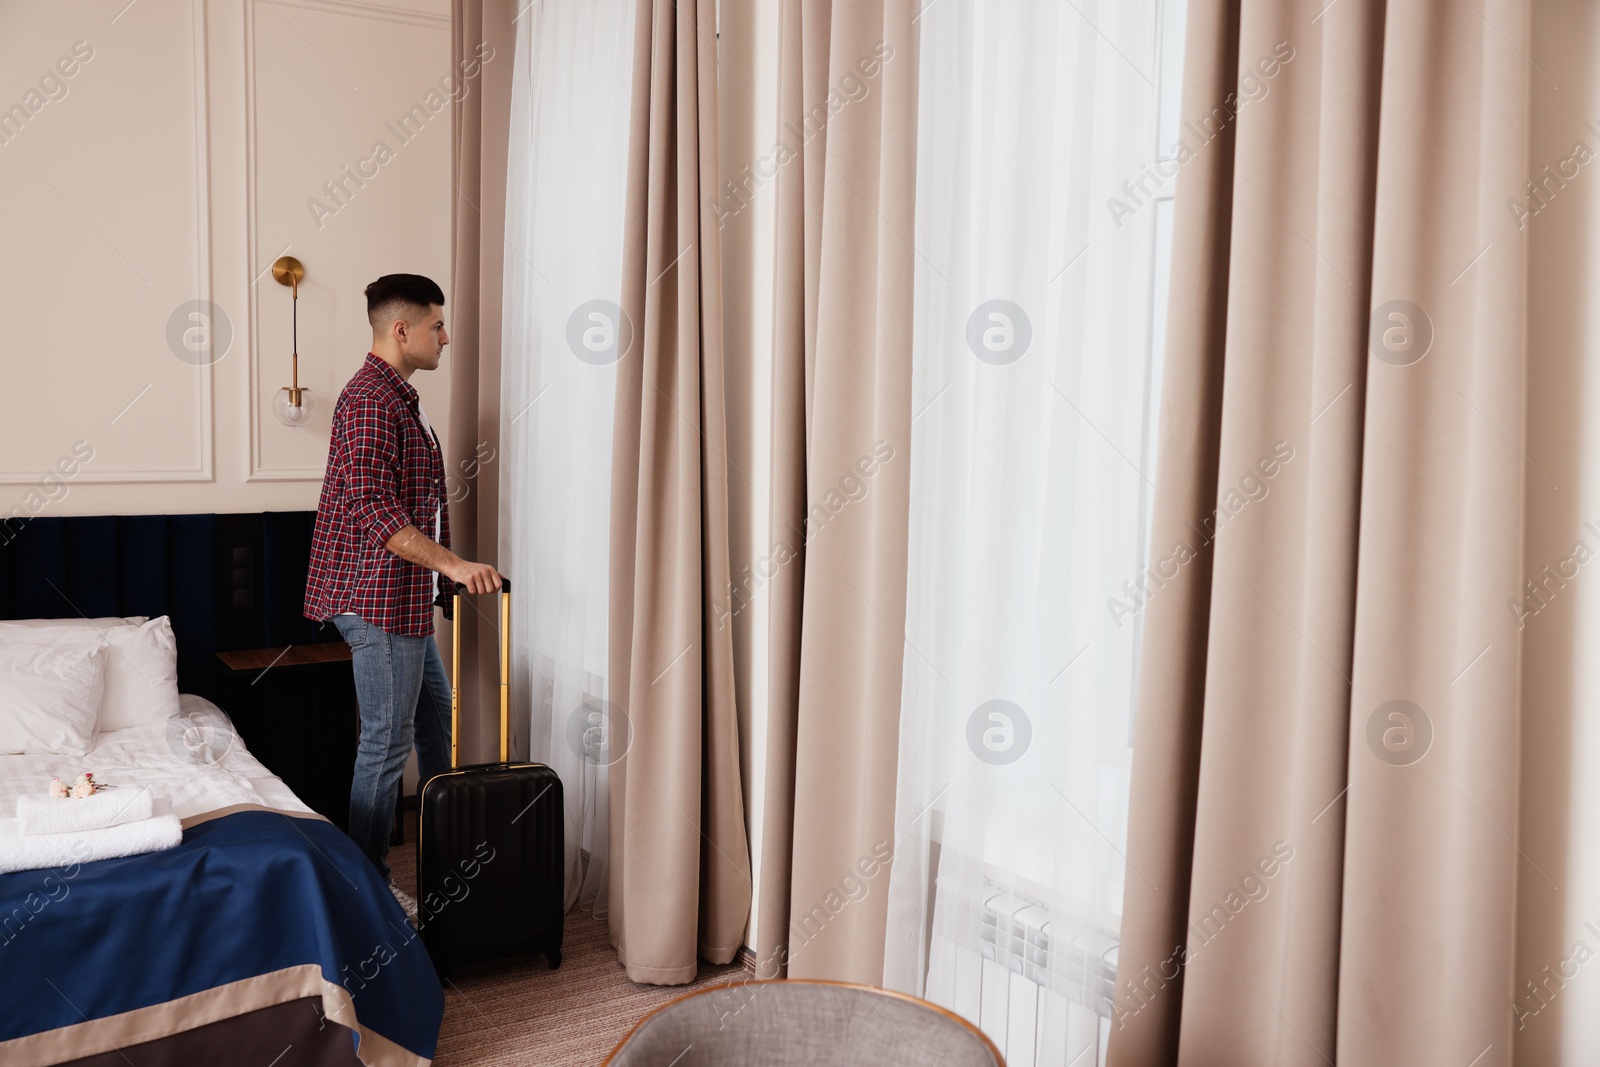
column 381, row 540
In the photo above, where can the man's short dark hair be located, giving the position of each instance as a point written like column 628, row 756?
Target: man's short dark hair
column 406, row 296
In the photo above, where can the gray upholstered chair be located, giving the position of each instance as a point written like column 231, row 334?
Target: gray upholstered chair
column 807, row 1024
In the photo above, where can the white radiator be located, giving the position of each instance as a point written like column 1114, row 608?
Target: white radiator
column 1040, row 985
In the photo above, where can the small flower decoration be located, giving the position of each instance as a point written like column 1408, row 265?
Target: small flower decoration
column 85, row 786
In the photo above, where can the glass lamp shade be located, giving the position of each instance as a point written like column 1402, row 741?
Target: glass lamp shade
column 290, row 413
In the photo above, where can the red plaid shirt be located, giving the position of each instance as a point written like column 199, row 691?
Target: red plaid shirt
column 384, row 472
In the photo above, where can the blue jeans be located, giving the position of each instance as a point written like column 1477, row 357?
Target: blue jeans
column 404, row 697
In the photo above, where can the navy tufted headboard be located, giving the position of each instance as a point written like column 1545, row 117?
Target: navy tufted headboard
column 227, row 581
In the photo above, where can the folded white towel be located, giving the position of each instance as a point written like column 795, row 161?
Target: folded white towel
column 29, row 852
column 66, row 815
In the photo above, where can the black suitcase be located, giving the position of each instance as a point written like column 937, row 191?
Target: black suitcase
column 490, row 848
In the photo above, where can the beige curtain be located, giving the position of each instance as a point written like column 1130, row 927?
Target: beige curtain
column 482, row 36
column 841, row 400
column 680, row 860
column 1320, row 857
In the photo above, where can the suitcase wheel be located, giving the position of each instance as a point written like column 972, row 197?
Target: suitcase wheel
column 554, row 958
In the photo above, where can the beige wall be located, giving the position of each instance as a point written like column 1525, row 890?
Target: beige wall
column 177, row 160
column 1558, row 940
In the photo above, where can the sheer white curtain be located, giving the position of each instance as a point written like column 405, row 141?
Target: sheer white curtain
column 1034, row 367
column 563, row 271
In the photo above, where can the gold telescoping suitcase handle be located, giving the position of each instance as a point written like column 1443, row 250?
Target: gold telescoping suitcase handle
column 505, row 675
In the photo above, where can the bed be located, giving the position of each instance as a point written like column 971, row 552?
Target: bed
column 265, row 936
column 263, row 905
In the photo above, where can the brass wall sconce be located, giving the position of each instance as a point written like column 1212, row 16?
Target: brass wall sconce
column 294, row 405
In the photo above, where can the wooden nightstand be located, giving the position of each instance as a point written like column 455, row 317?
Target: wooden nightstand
column 295, row 706
column 263, row 659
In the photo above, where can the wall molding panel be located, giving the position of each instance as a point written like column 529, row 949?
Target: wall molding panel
column 104, row 470
column 272, row 207
column 400, row 15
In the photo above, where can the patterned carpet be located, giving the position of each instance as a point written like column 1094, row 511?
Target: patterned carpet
column 520, row 1013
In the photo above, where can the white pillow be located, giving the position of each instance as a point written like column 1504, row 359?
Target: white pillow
column 92, row 624
column 50, row 696
column 141, row 672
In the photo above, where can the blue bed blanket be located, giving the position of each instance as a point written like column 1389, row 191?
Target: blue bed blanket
column 254, row 908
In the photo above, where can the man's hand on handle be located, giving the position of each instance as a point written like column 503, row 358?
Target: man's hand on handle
column 474, row 577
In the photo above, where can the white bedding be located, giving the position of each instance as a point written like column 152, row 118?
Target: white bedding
column 196, row 761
